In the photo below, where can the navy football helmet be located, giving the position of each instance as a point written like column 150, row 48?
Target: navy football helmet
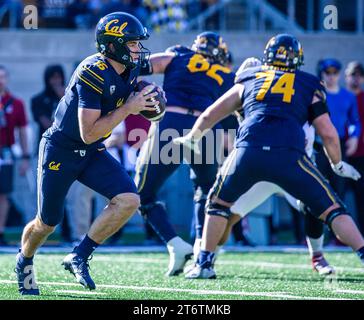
column 284, row 50
column 118, row 28
column 212, row 46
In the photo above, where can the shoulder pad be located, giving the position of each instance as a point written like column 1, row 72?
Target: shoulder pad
column 316, row 84
column 245, row 74
column 92, row 74
column 178, row 49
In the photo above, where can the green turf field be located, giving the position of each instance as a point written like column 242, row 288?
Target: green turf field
column 240, row 276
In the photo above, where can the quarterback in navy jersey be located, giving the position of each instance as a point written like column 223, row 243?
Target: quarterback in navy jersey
column 276, row 100
column 99, row 96
column 193, row 79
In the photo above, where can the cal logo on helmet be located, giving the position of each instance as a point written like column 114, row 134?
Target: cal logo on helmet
column 113, row 29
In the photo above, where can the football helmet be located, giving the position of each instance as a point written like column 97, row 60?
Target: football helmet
column 118, row 28
column 212, row 46
column 284, row 50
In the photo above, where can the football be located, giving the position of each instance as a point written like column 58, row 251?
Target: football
column 158, row 114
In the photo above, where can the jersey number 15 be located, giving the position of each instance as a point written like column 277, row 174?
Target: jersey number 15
column 284, row 85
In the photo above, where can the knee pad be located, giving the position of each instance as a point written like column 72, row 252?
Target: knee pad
column 144, row 209
column 215, row 209
column 334, row 214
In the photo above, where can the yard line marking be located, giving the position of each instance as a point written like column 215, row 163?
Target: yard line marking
column 192, row 291
column 80, row 292
column 263, row 264
column 350, row 291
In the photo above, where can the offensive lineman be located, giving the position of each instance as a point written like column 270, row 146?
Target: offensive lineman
column 262, row 190
column 193, row 79
column 276, row 100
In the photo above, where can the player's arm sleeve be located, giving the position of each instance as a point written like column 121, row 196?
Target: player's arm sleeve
column 90, row 87
column 87, row 98
column 319, row 107
column 354, row 119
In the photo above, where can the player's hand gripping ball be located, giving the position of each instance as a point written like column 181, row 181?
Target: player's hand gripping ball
column 160, row 108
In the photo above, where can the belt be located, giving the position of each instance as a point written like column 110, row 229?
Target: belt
column 182, row 110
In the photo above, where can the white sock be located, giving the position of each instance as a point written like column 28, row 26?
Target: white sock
column 315, row 245
column 196, row 248
column 175, row 243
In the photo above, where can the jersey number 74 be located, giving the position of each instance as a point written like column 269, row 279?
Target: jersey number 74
column 284, row 85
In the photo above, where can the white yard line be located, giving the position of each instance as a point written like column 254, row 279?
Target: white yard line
column 90, row 293
column 349, row 291
column 282, row 295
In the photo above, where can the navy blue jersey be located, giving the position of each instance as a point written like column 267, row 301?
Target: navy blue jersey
column 192, row 82
column 276, row 106
column 94, row 85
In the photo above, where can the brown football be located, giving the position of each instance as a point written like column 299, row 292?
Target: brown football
column 160, row 109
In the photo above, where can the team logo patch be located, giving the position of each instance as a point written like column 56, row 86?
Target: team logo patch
column 281, row 53
column 112, row 89
column 54, row 166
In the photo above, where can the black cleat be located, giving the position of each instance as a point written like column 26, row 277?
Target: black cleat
column 79, row 266
column 26, row 278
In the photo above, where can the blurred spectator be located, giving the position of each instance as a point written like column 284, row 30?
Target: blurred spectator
column 213, row 22
column 116, row 5
column 354, row 81
column 344, row 115
column 80, row 13
column 167, row 15
column 12, row 116
column 11, row 12
column 136, row 132
column 53, row 14
column 141, row 12
column 44, row 104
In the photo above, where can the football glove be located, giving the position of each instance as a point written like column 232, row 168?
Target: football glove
column 345, row 170
column 189, row 143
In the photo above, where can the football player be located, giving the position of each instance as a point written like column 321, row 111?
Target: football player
column 99, row 96
column 193, row 79
column 261, row 191
column 276, row 99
